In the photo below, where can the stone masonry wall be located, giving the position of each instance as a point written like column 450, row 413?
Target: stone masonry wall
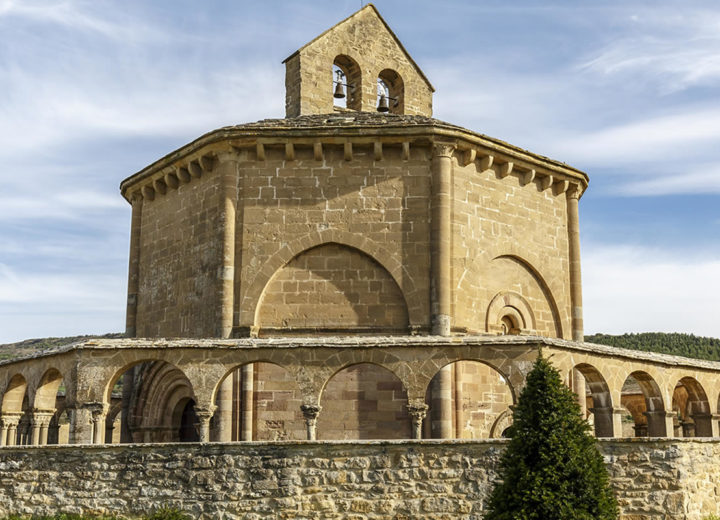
column 653, row 479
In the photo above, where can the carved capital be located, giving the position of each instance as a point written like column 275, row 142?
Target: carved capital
column 417, row 411
column 443, row 149
column 205, row 414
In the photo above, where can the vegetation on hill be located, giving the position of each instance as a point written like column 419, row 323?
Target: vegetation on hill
column 551, row 469
column 33, row 346
column 687, row 345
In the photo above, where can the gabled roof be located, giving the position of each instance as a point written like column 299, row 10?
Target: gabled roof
column 374, row 10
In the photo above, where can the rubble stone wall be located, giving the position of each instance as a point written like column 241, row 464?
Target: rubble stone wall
column 653, row 479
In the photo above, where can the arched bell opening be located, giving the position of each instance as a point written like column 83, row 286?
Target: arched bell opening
column 363, row 401
column 468, row 400
column 645, row 411
column 346, row 83
column 692, row 409
column 258, row 401
column 390, row 92
column 599, row 410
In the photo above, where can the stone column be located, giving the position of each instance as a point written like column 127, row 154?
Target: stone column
column 659, row 423
column 608, row 421
column 417, row 412
column 3, row 431
column 11, row 421
column 204, row 415
column 34, row 430
column 573, row 215
column 441, row 404
column 228, row 199
column 134, row 267
column 310, row 412
column 247, row 400
column 440, row 239
column 128, row 386
column 81, row 422
column 705, row 426
column 578, row 386
column 97, row 412
column 224, row 411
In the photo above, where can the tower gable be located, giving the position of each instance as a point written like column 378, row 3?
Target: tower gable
column 365, row 49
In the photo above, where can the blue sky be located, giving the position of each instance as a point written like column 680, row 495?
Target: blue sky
column 93, row 91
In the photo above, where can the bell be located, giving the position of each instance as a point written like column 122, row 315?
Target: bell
column 339, row 90
column 383, row 104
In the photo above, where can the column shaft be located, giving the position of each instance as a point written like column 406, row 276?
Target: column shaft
column 578, row 386
column 440, row 239
column 247, row 401
column 134, row 267
column 228, row 194
column 441, row 404
column 224, row 412
column 573, row 195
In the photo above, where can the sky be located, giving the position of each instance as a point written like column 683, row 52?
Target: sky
column 627, row 91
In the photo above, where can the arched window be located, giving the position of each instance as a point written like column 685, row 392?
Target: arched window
column 391, row 92
column 346, row 77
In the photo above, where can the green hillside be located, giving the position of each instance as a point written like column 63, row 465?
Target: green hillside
column 687, row 345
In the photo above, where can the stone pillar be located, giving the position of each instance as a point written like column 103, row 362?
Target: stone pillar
column 82, row 423
column 417, row 412
column 573, row 215
column 440, row 239
column 247, row 401
column 659, row 423
column 441, row 404
column 128, row 386
column 11, row 421
column 204, row 415
column 608, row 421
column 705, row 426
column 98, row 424
column 578, row 386
column 3, row 432
column 34, row 430
column 224, row 411
column 227, row 172
column 134, row 267
column 310, row 413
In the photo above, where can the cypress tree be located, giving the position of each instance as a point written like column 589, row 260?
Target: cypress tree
column 551, row 469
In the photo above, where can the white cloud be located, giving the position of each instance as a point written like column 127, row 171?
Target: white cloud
column 700, row 178
column 637, row 289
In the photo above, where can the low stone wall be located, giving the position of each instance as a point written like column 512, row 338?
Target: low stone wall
column 654, row 479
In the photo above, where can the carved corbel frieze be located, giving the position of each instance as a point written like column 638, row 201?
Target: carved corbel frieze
column 468, row 157
column 377, row 151
column 289, row 152
column 207, row 162
column 159, row 186
column 348, row 151
column 195, row 169
column 546, row 182
column 318, row 151
column 183, row 174
column 171, row 180
column 406, row 150
column 148, row 192
column 561, row 187
column 260, row 151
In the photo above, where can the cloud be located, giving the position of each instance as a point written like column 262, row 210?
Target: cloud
column 698, row 179
column 671, row 50
column 629, row 288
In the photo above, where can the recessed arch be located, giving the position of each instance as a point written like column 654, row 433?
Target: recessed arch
column 47, row 390
column 332, row 287
column 512, row 310
column 363, row 401
column 251, row 299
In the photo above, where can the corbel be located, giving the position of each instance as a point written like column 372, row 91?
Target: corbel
column 260, row 150
column 528, row 177
column 406, row 150
column 561, row 187
column 468, row 157
column 171, row 180
column 377, row 150
column 546, row 182
column 289, row 152
column 182, row 174
column 207, row 162
column 148, row 192
column 318, row 151
column 486, row 162
column 348, row 151
column 159, row 186
column 195, row 169
column 505, row 169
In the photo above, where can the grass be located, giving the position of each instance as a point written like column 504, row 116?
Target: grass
column 164, row 513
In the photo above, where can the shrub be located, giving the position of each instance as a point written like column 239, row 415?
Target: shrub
column 168, row 513
column 551, row 469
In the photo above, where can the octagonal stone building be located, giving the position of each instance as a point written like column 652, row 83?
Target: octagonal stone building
column 347, row 220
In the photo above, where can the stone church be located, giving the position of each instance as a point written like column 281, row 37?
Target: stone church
column 366, row 218
column 357, row 270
